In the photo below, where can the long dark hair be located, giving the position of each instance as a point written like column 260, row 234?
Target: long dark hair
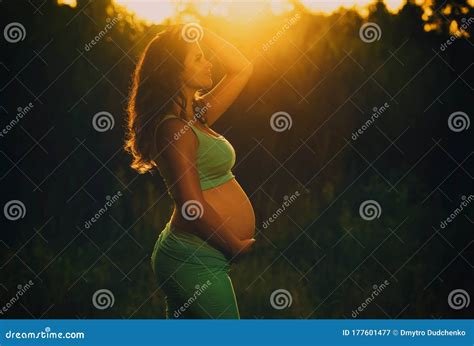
column 155, row 88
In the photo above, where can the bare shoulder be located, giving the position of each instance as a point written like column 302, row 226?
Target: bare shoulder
column 173, row 134
column 176, row 159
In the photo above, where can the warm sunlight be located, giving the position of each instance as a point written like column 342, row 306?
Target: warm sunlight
column 72, row 3
column 299, row 168
column 158, row 10
column 330, row 6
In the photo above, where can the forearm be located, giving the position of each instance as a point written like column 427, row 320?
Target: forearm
column 230, row 57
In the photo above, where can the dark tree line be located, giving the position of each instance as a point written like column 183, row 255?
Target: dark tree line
column 320, row 72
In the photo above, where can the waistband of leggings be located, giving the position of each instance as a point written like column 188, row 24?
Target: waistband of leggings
column 183, row 244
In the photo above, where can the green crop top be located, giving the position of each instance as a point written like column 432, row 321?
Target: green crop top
column 215, row 156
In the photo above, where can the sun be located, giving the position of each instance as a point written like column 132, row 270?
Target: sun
column 157, row 11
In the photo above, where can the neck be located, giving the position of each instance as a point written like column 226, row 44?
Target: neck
column 188, row 93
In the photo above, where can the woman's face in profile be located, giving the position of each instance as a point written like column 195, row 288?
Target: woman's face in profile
column 197, row 69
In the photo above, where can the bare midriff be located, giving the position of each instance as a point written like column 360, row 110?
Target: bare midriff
column 230, row 201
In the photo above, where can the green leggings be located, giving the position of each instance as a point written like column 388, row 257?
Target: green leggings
column 194, row 277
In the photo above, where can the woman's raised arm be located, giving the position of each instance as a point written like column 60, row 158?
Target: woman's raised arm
column 238, row 71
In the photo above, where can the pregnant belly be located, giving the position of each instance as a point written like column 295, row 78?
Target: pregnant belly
column 232, row 204
column 230, row 201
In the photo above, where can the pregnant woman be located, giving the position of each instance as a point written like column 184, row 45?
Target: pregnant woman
column 213, row 221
